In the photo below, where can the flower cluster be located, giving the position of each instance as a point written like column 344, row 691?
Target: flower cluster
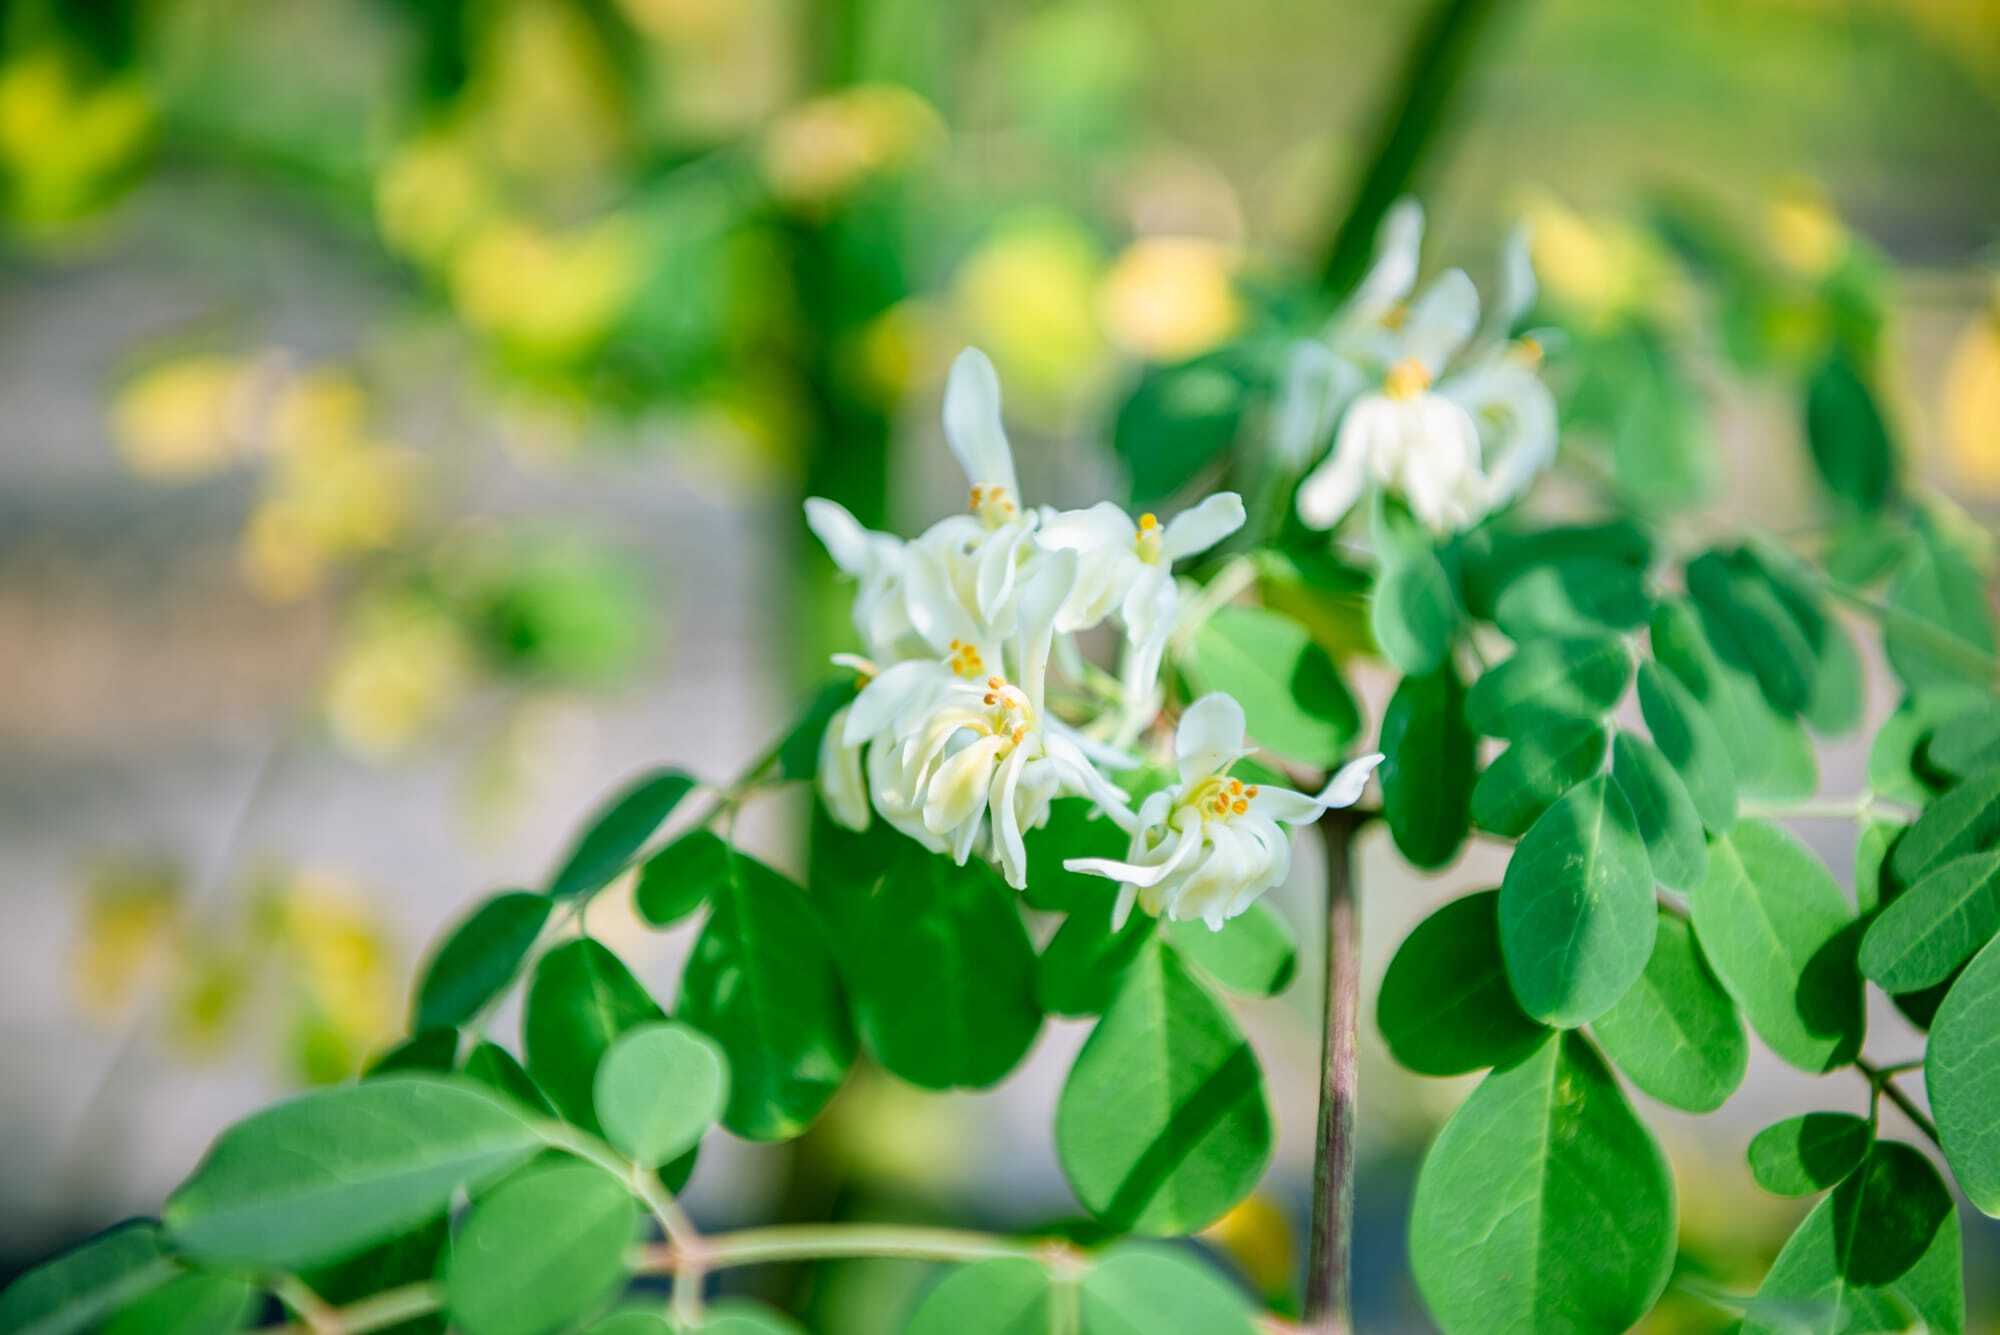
column 951, row 738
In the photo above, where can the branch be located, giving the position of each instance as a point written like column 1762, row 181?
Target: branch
column 1884, row 1079
column 1328, row 1275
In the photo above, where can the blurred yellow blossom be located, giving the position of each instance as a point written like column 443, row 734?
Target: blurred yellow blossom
column 1027, row 296
column 1803, row 231
column 546, row 294
column 318, row 409
column 428, row 197
column 1171, row 298
column 544, row 98
column 186, row 417
column 345, row 971
column 61, row 141
column 403, row 664
column 1602, row 269
column 1256, row 1234
column 1972, row 403
column 820, row 151
column 325, row 501
column 131, row 922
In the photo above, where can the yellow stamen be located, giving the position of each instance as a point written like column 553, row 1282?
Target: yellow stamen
column 1529, row 350
column 1406, row 379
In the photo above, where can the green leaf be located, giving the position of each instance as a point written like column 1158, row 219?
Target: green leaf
column 77, row 1290
column 1849, row 439
column 1256, row 952
column 1965, row 820
column 541, row 1252
column 1446, row 1007
column 1871, row 859
column 679, row 878
column 1176, row 420
column 1413, row 613
column 1660, row 803
column 1898, row 761
column 1939, row 630
column 1936, row 925
column 1002, row 1297
column 1881, row 1253
column 1969, row 743
column 1781, row 937
column 1803, row 1156
column 433, row 1050
column 1550, row 682
column 1771, row 755
column 1083, row 966
column 740, row 1316
column 1836, row 701
column 1162, row 1124
column 321, row 1176
column 480, row 958
column 1495, row 555
column 941, row 972
column 581, row 999
column 763, row 984
column 1544, row 1205
column 632, row 1321
column 1577, row 916
column 1294, row 702
column 1071, row 832
column 1688, row 738
column 1963, row 1080
column 798, row 753
column 1761, row 637
column 1526, row 779
column 494, row 1067
column 1427, row 770
column 618, row 831
column 1136, row 1289
column 1578, row 596
column 192, row 1304
column 659, row 1089
column 1676, row 1032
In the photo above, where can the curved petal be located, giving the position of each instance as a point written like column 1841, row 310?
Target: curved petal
column 1008, row 847
column 972, row 423
column 1439, row 469
column 1522, row 412
column 883, row 701
column 998, row 570
column 1393, row 273
column 1201, row 528
column 1515, row 292
column 1045, row 585
column 1441, row 320
column 851, row 546
column 1210, row 736
column 1185, row 844
column 1286, row 805
column 1344, row 789
column 1331, row 490
column 1318, row 384
column 1103, row 525
column 959, row 788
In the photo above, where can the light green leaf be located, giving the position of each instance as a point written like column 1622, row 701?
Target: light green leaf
column 80, row 1288
column 1939, row 630
column 580, row 1000
column 1963, row 1079
column 1771, row 756
column 1081, row 968
column 1676, row 1032
column 632, row 1321
column 542, row 1251
column 1899, row 767
column 1761, row 638
column 1781, row 937
column 1969, row 743
column 1849, row 440
column 1965, row 820
column 762, row 983
column 1544, row 1207
column 1445, row 1007
column 1495, row 555
column 480, row 958
column 1294, row 702
column 191, row 1304
column 1577, row 916
column 1936, row 925
column 494, row 1067
column 1574, row 597
column 1162, row 1124
column 1871, row 858
column 941, row 971
column 1428, row 766
column 1688, row 738
column 618, row 831
column 1413, row 613
column 679, row 878
column 659, row 1089
column 1177, row 419
column 1881, row 1253
column 1255, row 953
column 1666, row 815
column 1526, row 779
column 1548, row 682
column 321, row 1176
column 1136, row 1289
column 740, row 1316
column 1802, row 1156
column 1003, row 1297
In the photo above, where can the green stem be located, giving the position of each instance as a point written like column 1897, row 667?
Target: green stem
column 1884, row 1079
column 822, row 1242
column 390, row 1307
column 1939, row 639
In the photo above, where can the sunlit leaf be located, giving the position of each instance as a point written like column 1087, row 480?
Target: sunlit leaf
column 1526, row 779
column 192, row 1304
column 1548, row 682
column 1802, row 1156
column 659, row 1089
column 618, row 831
column 1940, row 630
column 1675, row 1032
column 77, row 1290
column 480, row 958
column 1255, row 953
column 582, row 997
column 1084, row 963
column 1001, row 1297
column 1293, row 699
column 1936, row 925
column 1963, row 1080
column 1445, row 1007
column 1576, row 597
column 1136, row 1289
column 1689, row 739
column 544, row 1249
column 1665, row 813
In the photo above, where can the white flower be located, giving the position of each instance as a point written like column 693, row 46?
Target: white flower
column 878, row 562
column 1208, row 846
column 1455, row 424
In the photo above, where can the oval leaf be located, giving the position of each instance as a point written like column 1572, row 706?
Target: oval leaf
column 1293, row 699
column 480, row 958
column 77, row 1290
column 1413, row 613
column 1687, row 737
column 544, row 1249
column 1429, row 755
column 581, row 999
column 1963, row 1080
column 1135, row 1288
column 191, row 1304
column 1003, row 1297
column 1660, row 803
column 1676, row 1032
column 1446, row 1007
column 1550, row 681
column 1574, row 597
column 659, row 1089
column 1965, row 820
column 618, row 831
column 1936, row 925
column 1802, row 1156
column 1526, row 779
column 679, row 878
column 1255, row 953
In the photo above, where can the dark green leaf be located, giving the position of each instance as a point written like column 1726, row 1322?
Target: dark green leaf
column 193, row 1304
column 763, row 984
column 77, row 1290
column 1427, row 770
column 1526, row 779
column 1085, row 961
column 1939, row 630
column 1549, row 682
column 1136, row 1289
column 618, row 831
column 1770, row 755
column 941, row 972
column 1759, row 636
column 1803, row 1156
column 1577, row 597
column 1835, row 703
column 1666, row 815
column 1936, row 925
column 679, row 878
column 1003, row 1297
column 1544, row 1204
column 1965, row 820
column 659, row 1089
column 544, row 1250
column 434, row 1050
column 798, row 753
column 1413, row 613
column 1071, row 832
column 321, row 1176
column 494, row 1067
column 1781, row 937
column 740, row 1316
column 581, row 999
column 1849, row 440
column 1162, row 1124
column 1968, row 744
column 1293, row 699
column 1963, row 1079
column 1676, row 1032
column 1255, row 953
column 1445, row 1007
column 1495, row 556
column 1577, row 916
column 1178, row 419
column 480, row 958
column 1687, row 737
column 1899, row 765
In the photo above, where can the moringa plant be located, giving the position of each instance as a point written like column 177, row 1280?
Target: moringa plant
column 1061, row 777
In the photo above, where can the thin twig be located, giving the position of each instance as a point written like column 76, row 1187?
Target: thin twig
column 1329, row 1272
column 1884, row 1079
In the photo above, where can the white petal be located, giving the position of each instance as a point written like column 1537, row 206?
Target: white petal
column 1348, row 782
column 1331, row 490
column 1008, row 846
column 1103, row 525
column 960, row 786
column 1201, row 528
column 1398, row 244
column 998, row 569
column 1285, row 805
column 884, row 700
column 1123, row 908
column 846, row 541
column 841, row 785
column 1439, row 468
column 1318, row 384
column 1522, row 413
column 972, row 423
column 1044, row 587
column 1210, row 736
column 1516, row 292
column 1441, row 321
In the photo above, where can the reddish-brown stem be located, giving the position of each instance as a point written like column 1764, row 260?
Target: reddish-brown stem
column 1329, row 1270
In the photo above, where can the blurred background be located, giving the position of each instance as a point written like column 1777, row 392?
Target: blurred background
column 405, row 405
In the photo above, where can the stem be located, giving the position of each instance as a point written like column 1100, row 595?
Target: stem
column 1328, row 1276
column 1884, row 1079
column 388, row 1308
column 803, row 1242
